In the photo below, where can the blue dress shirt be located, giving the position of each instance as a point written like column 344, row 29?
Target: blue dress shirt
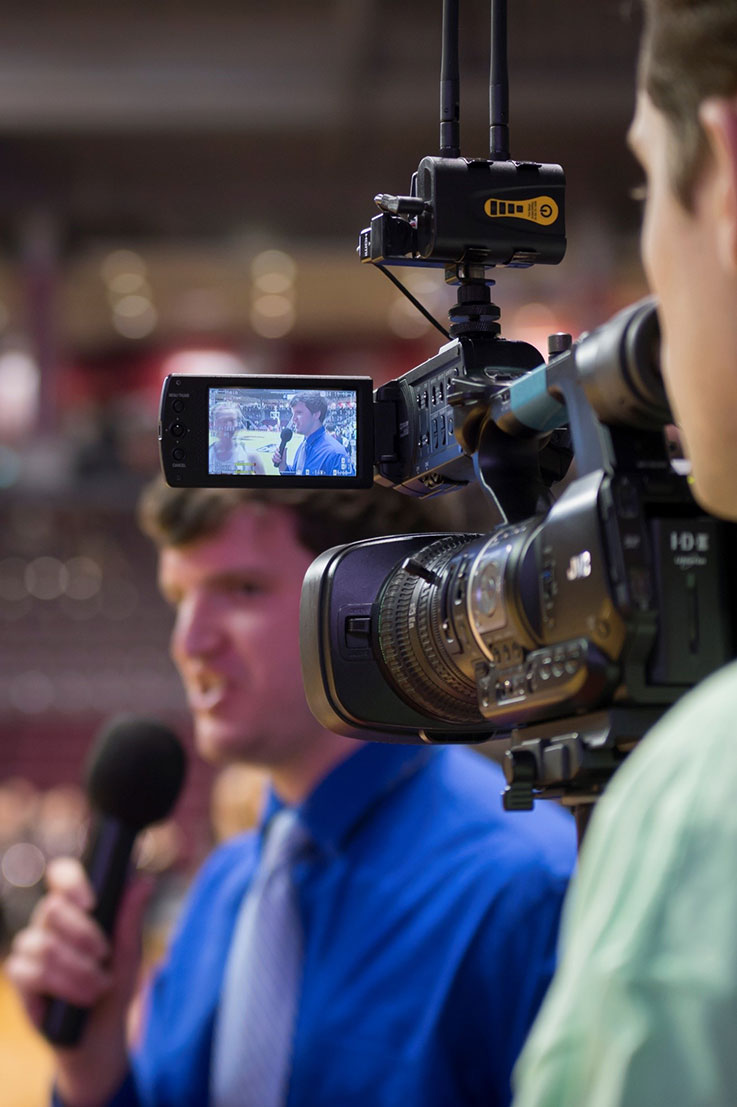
column 430, row 916
column 321, row 453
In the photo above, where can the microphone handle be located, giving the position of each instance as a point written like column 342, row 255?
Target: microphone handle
column 106, row 861
column 286, row 436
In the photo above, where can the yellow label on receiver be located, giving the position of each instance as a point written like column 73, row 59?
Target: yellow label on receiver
column 541, row 209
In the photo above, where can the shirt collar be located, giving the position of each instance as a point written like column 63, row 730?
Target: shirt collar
column 347, row 794
column 318, row 432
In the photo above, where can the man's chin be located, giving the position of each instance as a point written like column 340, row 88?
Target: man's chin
column 217, row 744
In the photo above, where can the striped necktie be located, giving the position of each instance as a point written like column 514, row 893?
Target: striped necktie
column 252, row 1048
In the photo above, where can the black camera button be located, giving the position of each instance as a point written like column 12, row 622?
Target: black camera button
column 178, row 405
column 177, row 430
column 178, row 454
column 357, row 631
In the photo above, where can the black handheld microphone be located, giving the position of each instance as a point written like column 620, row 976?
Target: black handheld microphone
column 135, row 772
column 286, row 434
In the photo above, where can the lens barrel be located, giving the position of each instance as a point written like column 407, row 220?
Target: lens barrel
column 454, row 605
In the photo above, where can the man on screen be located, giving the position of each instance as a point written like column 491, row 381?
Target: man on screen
column 319, row 454
column 227, row 454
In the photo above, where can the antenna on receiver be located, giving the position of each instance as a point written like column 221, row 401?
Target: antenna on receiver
column 450, row 111
column 499, row 84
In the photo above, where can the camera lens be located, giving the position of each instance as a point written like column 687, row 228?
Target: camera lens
column 453, row 605
column 486, row 592
column 416, row 638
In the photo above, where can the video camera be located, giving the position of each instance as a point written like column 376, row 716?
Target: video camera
column 569, row 628
column 572, row 625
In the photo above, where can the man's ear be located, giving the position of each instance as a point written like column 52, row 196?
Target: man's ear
column 718, row 116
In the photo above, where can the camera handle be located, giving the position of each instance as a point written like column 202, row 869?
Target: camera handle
column 516, row 471
column 572, row 760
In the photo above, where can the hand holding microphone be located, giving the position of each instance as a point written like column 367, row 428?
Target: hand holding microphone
column 134, row 776
column 279, row 456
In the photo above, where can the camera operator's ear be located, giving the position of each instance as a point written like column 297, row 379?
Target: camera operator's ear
column 718, row 116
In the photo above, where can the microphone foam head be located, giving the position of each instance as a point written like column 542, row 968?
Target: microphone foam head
column 135, row 771
column 286, row 434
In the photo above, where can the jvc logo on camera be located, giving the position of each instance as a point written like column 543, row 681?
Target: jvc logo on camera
column 579, row 567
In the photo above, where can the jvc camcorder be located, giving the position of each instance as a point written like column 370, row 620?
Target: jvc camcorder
column 573, row 624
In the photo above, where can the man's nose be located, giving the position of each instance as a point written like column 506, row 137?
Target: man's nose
column 197, row 632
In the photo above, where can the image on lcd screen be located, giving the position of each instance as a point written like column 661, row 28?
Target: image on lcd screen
column 277, row 431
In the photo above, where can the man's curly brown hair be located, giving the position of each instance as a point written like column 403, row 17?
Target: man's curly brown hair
column 177, row 516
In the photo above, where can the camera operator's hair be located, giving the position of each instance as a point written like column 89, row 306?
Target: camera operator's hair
column 316, row 403
column 177, row 516
column 688, row 52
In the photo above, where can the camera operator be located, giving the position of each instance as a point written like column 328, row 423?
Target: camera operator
column 414, row 929
column 319, row 452
column 643, row 1008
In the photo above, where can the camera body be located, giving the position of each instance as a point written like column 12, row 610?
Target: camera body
column 567, row 629
column 423, row 434
column 615, row 596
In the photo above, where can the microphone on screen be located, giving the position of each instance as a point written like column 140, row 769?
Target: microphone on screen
column 135, row 771
column 286, row 434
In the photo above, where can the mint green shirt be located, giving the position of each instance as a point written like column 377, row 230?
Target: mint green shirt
column 642, row 1011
